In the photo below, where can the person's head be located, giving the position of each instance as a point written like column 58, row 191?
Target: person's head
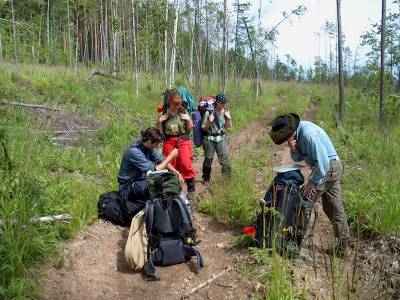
column 175, row 101
column 152, row 137
column 221, row 101
column 284, row 127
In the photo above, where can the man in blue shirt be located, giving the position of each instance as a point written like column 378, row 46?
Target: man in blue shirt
column 309, row 142
column 141, row 157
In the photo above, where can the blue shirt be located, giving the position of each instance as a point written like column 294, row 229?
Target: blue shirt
column 315, row 147
column 136, row 162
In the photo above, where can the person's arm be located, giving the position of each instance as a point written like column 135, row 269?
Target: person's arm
column 294, row 153
column 181, row 179
column 167, row 160
column 207, row 120
column 228, row 119
column 139, row 160
column 188, row 121
column 320, row 156
column 160, row 120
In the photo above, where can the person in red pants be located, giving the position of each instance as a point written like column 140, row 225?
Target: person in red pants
column 176, row 126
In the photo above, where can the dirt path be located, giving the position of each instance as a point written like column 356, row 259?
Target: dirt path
column 94, row 264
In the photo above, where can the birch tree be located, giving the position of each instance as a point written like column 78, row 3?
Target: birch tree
column 225, row 46
column 134, row 46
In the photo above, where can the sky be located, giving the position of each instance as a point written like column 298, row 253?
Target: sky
column 298, row 37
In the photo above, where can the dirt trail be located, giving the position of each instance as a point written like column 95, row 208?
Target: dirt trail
column 94, row 264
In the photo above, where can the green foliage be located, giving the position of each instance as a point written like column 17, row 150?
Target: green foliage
column 276, row 279
column 370, row 184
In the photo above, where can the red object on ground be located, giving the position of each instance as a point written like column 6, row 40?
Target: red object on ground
column 250, row 230
column 160, row 108
column 183, row 162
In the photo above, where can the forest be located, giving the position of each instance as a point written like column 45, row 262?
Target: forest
column 79, row 81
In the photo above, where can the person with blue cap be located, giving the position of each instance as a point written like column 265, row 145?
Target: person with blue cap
column 214, row 125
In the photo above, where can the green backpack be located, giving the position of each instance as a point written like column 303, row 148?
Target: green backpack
column 163, row 183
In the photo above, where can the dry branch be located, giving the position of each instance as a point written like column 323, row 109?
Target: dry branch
column 30, row 105
column 45, row 219
column 204, row 284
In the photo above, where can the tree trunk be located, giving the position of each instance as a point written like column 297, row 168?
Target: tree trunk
column 166, row 45
column 382, row 81
column 69, row 35
column 191, row 49
column 77, row 43
column 340, row 63
column 135, row 65
column 173, row 56
column 225, row 43
column 256, row 47
column 14, row 32
column 1, row 50
column 208, row 48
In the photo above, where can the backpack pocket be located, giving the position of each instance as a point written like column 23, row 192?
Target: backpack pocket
column 171, row 252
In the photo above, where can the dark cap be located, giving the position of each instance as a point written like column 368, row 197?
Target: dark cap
column 283, row 127
column 221, row 98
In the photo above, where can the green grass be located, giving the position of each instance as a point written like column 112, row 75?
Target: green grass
column 46, row 179
column 371, row 182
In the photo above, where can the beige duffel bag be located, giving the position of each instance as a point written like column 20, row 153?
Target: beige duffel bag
column 136, row 245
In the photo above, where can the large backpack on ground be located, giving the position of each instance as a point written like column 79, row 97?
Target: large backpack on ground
column 205, row 104
column 286, row 212
column 119, row 211
column 170, row 229
column 137, row 243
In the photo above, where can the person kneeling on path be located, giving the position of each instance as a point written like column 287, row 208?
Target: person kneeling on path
column 309, row 142
column 214, row 140
column 140, row 158
column 176, row 125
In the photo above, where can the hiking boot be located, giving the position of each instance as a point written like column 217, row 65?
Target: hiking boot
column 190, row 195
column 341, row 250
column 207, row 183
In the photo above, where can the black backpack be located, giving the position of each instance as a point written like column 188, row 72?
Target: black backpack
column 119, row 211
column 171, row 233
column 285, row 215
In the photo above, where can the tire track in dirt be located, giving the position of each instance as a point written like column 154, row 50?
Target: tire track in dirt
column 94, row 263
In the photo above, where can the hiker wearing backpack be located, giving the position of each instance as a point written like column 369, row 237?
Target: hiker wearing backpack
column 309, row 142
column 141, row 157
column 214, row 126
column 176, row 126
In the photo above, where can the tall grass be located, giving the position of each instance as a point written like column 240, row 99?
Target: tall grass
column 372, row 169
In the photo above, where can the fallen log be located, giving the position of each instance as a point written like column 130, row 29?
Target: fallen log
column 204, row 284
column 45, row 219
column 40, row 106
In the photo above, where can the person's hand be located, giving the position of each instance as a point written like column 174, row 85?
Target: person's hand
column 292, row 143
column 163, row 117
column 309, row 190
column 181, row 179
column 227, row 114
column 211, row 118
column 185, row 116
column 174, row 153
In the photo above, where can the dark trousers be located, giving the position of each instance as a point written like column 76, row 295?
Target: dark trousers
column 210, row 147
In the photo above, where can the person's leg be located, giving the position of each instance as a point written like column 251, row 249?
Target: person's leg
column 209, row 149
column 185, row 166
column 332, row 203
column 169, row 145
column 222, row 153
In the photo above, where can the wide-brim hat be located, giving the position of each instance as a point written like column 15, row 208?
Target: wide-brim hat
column 282, row 127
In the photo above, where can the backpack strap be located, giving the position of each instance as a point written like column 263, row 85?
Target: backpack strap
column 149, row 268
column 190, row 251
column 185, row 212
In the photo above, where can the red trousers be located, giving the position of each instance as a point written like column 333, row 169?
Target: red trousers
column 183, row 162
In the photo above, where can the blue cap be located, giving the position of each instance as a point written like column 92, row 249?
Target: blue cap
column 221, row 98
